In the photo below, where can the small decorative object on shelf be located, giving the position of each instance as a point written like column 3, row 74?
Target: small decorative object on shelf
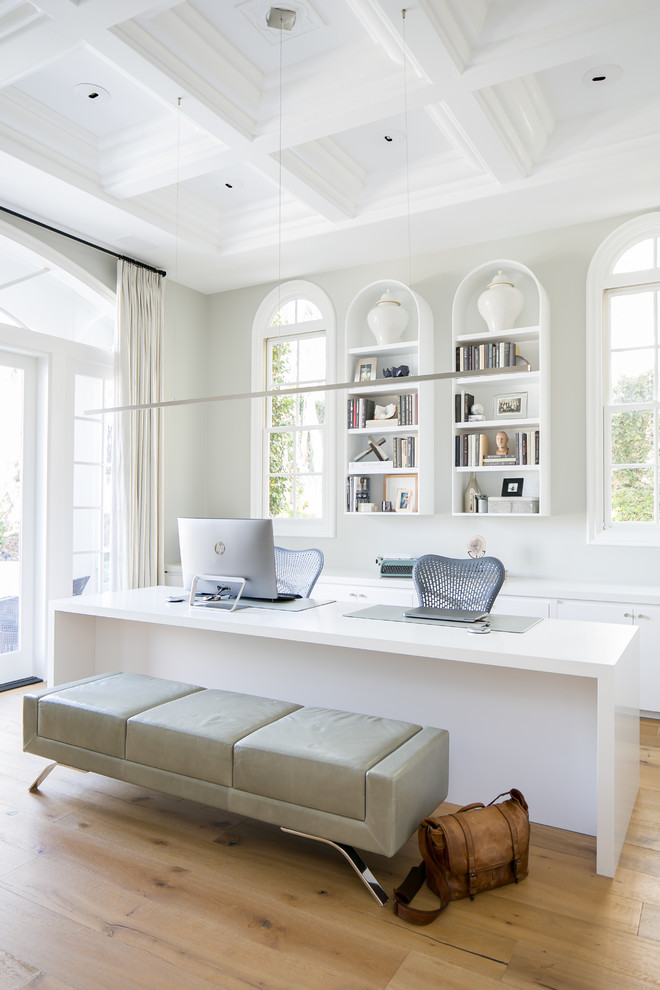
column 512, row 487
column 500, row 303
column 476, row 546
column 476, row 413
column 373, row 448
column 470, row 497
column 401, row 372
column 388, row 319
column 366, row 369
column 502, row 443
column 482, row 503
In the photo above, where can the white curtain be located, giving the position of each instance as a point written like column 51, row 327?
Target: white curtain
column 138, row 530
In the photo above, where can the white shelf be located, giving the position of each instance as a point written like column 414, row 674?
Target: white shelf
column 496, row 424
column 383, row 350
column 378, row 467
column 416, row 350
column 493, row 468
column 532, row 336
column 481, row 337
column 396, row 430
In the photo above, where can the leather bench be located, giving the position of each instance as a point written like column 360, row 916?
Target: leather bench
column 341, row 777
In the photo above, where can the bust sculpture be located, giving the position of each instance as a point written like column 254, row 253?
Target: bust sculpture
column 502, row 443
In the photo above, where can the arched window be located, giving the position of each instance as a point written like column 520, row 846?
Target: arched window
column 292, row 449
column 623, row 386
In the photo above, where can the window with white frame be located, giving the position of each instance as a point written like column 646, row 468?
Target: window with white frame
column 293, row 460
column 624, row 386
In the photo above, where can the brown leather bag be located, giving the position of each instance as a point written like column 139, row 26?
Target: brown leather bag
column 476, row 848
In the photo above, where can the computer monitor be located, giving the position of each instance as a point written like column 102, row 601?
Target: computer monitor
column 240, row 548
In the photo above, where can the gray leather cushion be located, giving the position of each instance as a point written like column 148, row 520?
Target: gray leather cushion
column 195, row 735
column 93, row 714
column 317, row 758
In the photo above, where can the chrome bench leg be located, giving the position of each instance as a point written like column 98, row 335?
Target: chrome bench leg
column 356, row 861
column 49, row 769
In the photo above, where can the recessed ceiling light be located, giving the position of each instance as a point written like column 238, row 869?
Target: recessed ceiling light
column 95, row 94
column 232, row 184
column 602, row 75
column 390, row 138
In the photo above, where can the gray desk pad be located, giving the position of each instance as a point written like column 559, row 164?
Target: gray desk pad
column 396, row 613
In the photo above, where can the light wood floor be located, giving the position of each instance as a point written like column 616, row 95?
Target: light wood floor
column 104, row 885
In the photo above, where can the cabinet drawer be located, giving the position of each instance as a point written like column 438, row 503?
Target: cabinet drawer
column 364, row 595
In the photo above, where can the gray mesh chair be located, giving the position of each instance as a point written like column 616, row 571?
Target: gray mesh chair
column 79, row 584
column 297, row 571
column 9, row 624
column 454, row 582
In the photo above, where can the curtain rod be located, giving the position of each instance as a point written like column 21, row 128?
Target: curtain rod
column 80, row 240
column 373, row 386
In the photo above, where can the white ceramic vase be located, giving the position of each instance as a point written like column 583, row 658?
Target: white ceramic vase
column 500, row 303
column 388, row 319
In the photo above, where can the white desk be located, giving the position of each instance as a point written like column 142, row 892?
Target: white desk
column 553, row 711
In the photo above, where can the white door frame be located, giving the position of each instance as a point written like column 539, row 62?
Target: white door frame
column 19, row 664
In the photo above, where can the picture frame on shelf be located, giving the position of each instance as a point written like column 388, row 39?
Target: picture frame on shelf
column 366, row 369
column 512, row 487
column 511, row 405
column 401, row 491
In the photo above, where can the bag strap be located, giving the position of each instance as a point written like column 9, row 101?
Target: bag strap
column 515, row 841
column 404, row 894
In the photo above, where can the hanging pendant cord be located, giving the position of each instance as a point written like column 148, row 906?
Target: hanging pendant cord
column 407, row 159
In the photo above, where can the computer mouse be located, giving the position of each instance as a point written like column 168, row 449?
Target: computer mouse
column 480, row 629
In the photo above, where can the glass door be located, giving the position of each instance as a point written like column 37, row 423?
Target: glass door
column 17, row 491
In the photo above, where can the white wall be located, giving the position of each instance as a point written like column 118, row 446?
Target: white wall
column 186, row 447
column 553, row 546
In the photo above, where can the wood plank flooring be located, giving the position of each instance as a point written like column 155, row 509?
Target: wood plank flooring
column 105, row 886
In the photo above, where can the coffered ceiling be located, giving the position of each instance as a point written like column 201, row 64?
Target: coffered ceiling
column 154, row 127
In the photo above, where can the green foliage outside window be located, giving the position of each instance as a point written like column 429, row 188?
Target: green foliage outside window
column 633, row 452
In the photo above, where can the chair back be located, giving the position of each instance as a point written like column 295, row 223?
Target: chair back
column 9, row 624
column 79, row 584
column 297, row 571
column 454, row 582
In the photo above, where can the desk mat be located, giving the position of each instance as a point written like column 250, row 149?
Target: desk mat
column 497, row 623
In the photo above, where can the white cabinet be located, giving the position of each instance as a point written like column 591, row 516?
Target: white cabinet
column 405, row 477
column 514, row 394
column 647, row 618
column 517, row 605
column 364, row 594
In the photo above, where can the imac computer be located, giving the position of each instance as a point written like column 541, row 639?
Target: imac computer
column 218, row 555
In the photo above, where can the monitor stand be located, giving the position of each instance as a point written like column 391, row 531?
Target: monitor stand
column 227, row 595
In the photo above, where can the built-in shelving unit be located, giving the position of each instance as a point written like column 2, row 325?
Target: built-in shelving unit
column 405, row 478
column 523, row 383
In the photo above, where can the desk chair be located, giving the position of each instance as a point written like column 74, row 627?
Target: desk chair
column 79, row 584
column 454, row 582
column 297, row 571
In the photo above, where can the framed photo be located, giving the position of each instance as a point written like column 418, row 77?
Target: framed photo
column 401, row 491
column 365, row 369
column 512, row 487
column 514, row 404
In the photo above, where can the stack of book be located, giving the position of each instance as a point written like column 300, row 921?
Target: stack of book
column 359, row 411
column 404, row 452
column 498, row 354
column 463, row 404
column 358, row 489
column 471, row 449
